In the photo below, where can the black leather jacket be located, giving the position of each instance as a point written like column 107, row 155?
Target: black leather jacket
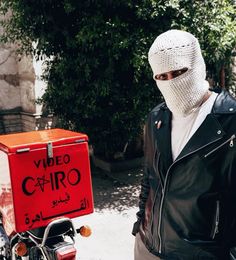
column 187, row 207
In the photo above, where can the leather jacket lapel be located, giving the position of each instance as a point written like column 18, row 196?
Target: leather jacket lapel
column 211, row 129
column 163, row 137
column 209, row 132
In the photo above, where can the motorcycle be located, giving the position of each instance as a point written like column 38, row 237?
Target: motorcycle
column 53, row 242
column 45, row 182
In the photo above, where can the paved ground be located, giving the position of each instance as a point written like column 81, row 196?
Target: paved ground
column 115, row 199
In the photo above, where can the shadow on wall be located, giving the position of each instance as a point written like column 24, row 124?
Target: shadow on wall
column 118, row 191
column 2, row 125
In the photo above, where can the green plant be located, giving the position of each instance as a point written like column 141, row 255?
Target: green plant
column 214, row 24
column 98, row 76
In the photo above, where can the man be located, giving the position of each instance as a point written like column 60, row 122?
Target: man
column 187, row 201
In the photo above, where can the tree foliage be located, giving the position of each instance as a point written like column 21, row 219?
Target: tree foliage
column 99, row 80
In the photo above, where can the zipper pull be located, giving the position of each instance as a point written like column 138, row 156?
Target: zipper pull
column 229, row 140
column 217, row 220
column 231, row 143
column 216, row 231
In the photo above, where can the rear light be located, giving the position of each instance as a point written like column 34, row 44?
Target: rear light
column 21, row 249
column 68, row 253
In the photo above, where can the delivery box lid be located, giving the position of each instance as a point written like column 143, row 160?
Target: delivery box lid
column 12, row 143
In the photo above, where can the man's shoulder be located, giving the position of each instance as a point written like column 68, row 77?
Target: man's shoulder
column 156, row 112
column 161, row 106
column 225, row 103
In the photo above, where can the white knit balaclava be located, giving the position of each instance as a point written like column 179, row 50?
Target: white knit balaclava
column 174, row 50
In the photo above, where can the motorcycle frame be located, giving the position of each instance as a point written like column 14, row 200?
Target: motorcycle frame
column 41, row 245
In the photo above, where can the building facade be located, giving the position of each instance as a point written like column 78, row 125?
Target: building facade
column 20, row 88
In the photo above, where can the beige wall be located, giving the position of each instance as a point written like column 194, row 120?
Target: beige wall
column 20, row 87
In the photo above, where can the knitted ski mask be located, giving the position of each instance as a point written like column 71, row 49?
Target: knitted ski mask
column 174, row 50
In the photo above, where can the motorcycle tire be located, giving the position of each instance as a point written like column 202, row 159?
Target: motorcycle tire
column 35, row 254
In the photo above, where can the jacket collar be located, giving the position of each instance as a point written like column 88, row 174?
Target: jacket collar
column 162, row 132
column 210, row 131
column 224, row 104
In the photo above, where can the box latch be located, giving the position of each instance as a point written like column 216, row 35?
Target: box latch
column 49, row 149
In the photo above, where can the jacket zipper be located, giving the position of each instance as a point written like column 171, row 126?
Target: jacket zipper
column 154, row 201
column 217, row 220
column 164, row 189
column 160, row 217
column 156, row 169
column 152, row 216
column 230, row 141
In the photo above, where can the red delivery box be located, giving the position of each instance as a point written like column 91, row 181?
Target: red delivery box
column 43, row 175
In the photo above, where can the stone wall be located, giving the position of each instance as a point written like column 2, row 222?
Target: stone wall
column 10, row 93
column 20, row 86
column 10, row 122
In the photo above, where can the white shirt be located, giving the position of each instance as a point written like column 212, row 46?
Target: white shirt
column 183, row 128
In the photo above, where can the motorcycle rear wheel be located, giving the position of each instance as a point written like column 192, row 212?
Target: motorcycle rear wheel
column 35, row 254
